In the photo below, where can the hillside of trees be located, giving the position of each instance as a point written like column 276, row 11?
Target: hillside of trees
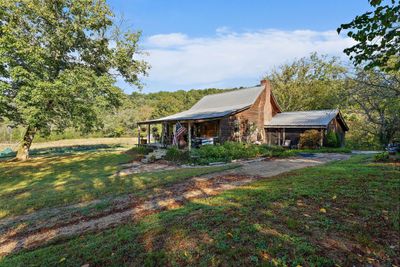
column 368, row 99
column 121, row 121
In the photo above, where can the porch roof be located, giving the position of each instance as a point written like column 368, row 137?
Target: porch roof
column 216, row 106
column 305, row 119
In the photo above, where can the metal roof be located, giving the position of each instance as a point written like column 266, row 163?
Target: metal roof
column 217, row 105
column 304, row 118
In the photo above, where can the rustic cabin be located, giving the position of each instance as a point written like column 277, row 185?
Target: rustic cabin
column 247, row 115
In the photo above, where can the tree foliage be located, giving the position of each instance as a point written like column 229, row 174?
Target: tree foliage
column 140, row 107
column 377, row 34
column 309, row 83
column 376, row 96
column 58, row 64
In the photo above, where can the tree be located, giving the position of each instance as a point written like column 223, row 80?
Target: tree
column 377, row 34
column 376, row 95
column 58, row 64
column 309, row 83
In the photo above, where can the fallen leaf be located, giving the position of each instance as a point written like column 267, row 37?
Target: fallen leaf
column 322, row 210
column 229, row 235
column 334, row 197
column 62, row 259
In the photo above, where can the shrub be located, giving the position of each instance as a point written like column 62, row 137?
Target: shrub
column 310, row 139
column 176, row 155
column 332, row 139
column 277, row 151
column 382, row 157
column 225, row 152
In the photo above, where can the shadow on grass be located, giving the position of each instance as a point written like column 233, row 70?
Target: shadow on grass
column 65, row 180
column 271, row 222
column 61, row 150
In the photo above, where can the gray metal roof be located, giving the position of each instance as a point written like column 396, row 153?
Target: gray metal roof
column 303, row 118
column 217, row 105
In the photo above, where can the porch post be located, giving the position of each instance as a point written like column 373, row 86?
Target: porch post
column 138, row 134
column 189, row 135
column 279, row 137
column 162, row 133
column 173, row 134
column 284, row 136
column 269, row 137
column 148, row 133
column 321, row 141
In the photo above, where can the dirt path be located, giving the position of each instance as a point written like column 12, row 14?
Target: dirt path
column 32, row 230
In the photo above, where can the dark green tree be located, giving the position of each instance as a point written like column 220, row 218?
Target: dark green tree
column 58, row 64
column 377, row 34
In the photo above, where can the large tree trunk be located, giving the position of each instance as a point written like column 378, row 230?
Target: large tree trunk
column 23, row 150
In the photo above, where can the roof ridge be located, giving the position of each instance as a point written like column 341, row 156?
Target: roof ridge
column 313, row 110
column 233, row 90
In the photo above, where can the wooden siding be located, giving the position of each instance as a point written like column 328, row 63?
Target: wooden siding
column 261, row 112
column 337, row 127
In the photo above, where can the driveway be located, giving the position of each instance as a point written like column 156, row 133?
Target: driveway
column 272, row 167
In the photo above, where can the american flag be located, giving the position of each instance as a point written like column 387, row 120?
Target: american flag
column 179, row 130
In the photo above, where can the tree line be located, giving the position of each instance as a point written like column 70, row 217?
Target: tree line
column 368, row 99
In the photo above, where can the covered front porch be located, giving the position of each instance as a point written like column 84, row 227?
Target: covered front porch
column 160, row 134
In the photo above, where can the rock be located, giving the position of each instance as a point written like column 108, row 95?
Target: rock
column 155, row 155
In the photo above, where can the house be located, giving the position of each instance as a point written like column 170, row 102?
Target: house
column 250, row 115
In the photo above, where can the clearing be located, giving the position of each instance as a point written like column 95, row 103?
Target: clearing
column 125, row 141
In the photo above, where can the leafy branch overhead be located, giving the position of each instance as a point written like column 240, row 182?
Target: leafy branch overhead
column 59, row 61
column 377, row 34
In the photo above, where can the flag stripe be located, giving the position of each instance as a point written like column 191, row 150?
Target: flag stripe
column 179, row 130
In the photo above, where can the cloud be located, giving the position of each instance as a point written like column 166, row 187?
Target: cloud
column 181, row 61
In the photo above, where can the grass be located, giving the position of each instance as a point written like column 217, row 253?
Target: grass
column 128, row 141
column 344, row 213
column 63, row 180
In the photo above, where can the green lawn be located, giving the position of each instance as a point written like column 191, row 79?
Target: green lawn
column 344, row 213
column 64, row 180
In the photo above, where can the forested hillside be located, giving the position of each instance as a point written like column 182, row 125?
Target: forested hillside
column 369, row 101
column 121, row 121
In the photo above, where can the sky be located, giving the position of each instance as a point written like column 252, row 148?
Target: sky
column 230, row 43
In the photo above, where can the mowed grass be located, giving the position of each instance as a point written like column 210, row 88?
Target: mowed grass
column 125, row 141
column 344, row 213
column 63, row 180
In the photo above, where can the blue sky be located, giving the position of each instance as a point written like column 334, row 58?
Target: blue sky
column 201, row 44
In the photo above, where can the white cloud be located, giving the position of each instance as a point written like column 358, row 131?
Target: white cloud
column 168, row 40
column 179, row 61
